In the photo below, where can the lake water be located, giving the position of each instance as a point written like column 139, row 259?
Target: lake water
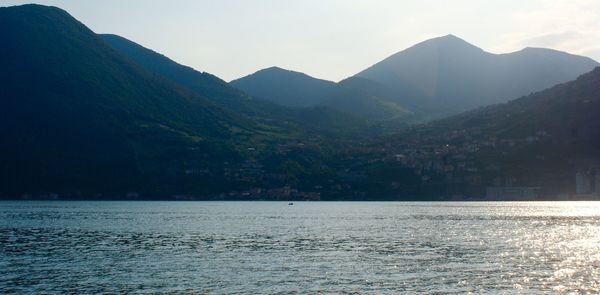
column 270, row 247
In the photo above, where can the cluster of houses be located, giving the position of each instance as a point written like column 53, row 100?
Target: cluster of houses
column 451, row 156
column 437, row 159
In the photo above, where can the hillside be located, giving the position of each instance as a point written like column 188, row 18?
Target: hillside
column 76, row 115
column 540, row 140
column 531, row 148
column 447, row 75
column 568, row 110
column 201, row 83
column 306, row 122
column 83, row 119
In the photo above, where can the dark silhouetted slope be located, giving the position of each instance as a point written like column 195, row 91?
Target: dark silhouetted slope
column 201, row 83
column 541, row 139
column 569, row 112
column 76, row 115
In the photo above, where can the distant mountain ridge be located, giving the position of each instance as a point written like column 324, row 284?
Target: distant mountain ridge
column 447, row 75
column 221, row 93
column 295, row 89
column 432, row 79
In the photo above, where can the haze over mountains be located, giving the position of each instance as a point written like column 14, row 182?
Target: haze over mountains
column 449, row 73
column 85, row 115
column 435, row 78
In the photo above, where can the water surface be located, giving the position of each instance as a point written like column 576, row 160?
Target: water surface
column 270, row 247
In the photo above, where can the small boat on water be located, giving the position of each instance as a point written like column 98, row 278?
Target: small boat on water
column 290, row 204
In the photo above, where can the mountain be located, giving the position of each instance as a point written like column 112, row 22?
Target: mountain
column 540, row 140
column 433, row 79
column 286, row 87
column 295, row 89
column 569, row 111
column 83, row 115
column 89, row 116
column 447, row 75
column 202, row 83
column 76, row 115
column 311, row 119
column 567, row 114
column 536, row 147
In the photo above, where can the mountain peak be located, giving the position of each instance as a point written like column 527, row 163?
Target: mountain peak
column 449, row 37
column 278, row 72
column 274, row 68
column 529, row 48
column 33, row 9
column 30, row 6
column 285, row 87
column 449, row 73
column 448, row 41
column 551, row 54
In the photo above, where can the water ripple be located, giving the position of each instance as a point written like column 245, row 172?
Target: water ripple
column 240, row 248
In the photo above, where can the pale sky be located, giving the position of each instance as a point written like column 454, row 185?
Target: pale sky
column 332, row 39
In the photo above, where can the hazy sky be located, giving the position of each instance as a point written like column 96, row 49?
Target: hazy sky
column 332, row 39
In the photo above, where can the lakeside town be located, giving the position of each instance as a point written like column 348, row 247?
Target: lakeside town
column 448, row 164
